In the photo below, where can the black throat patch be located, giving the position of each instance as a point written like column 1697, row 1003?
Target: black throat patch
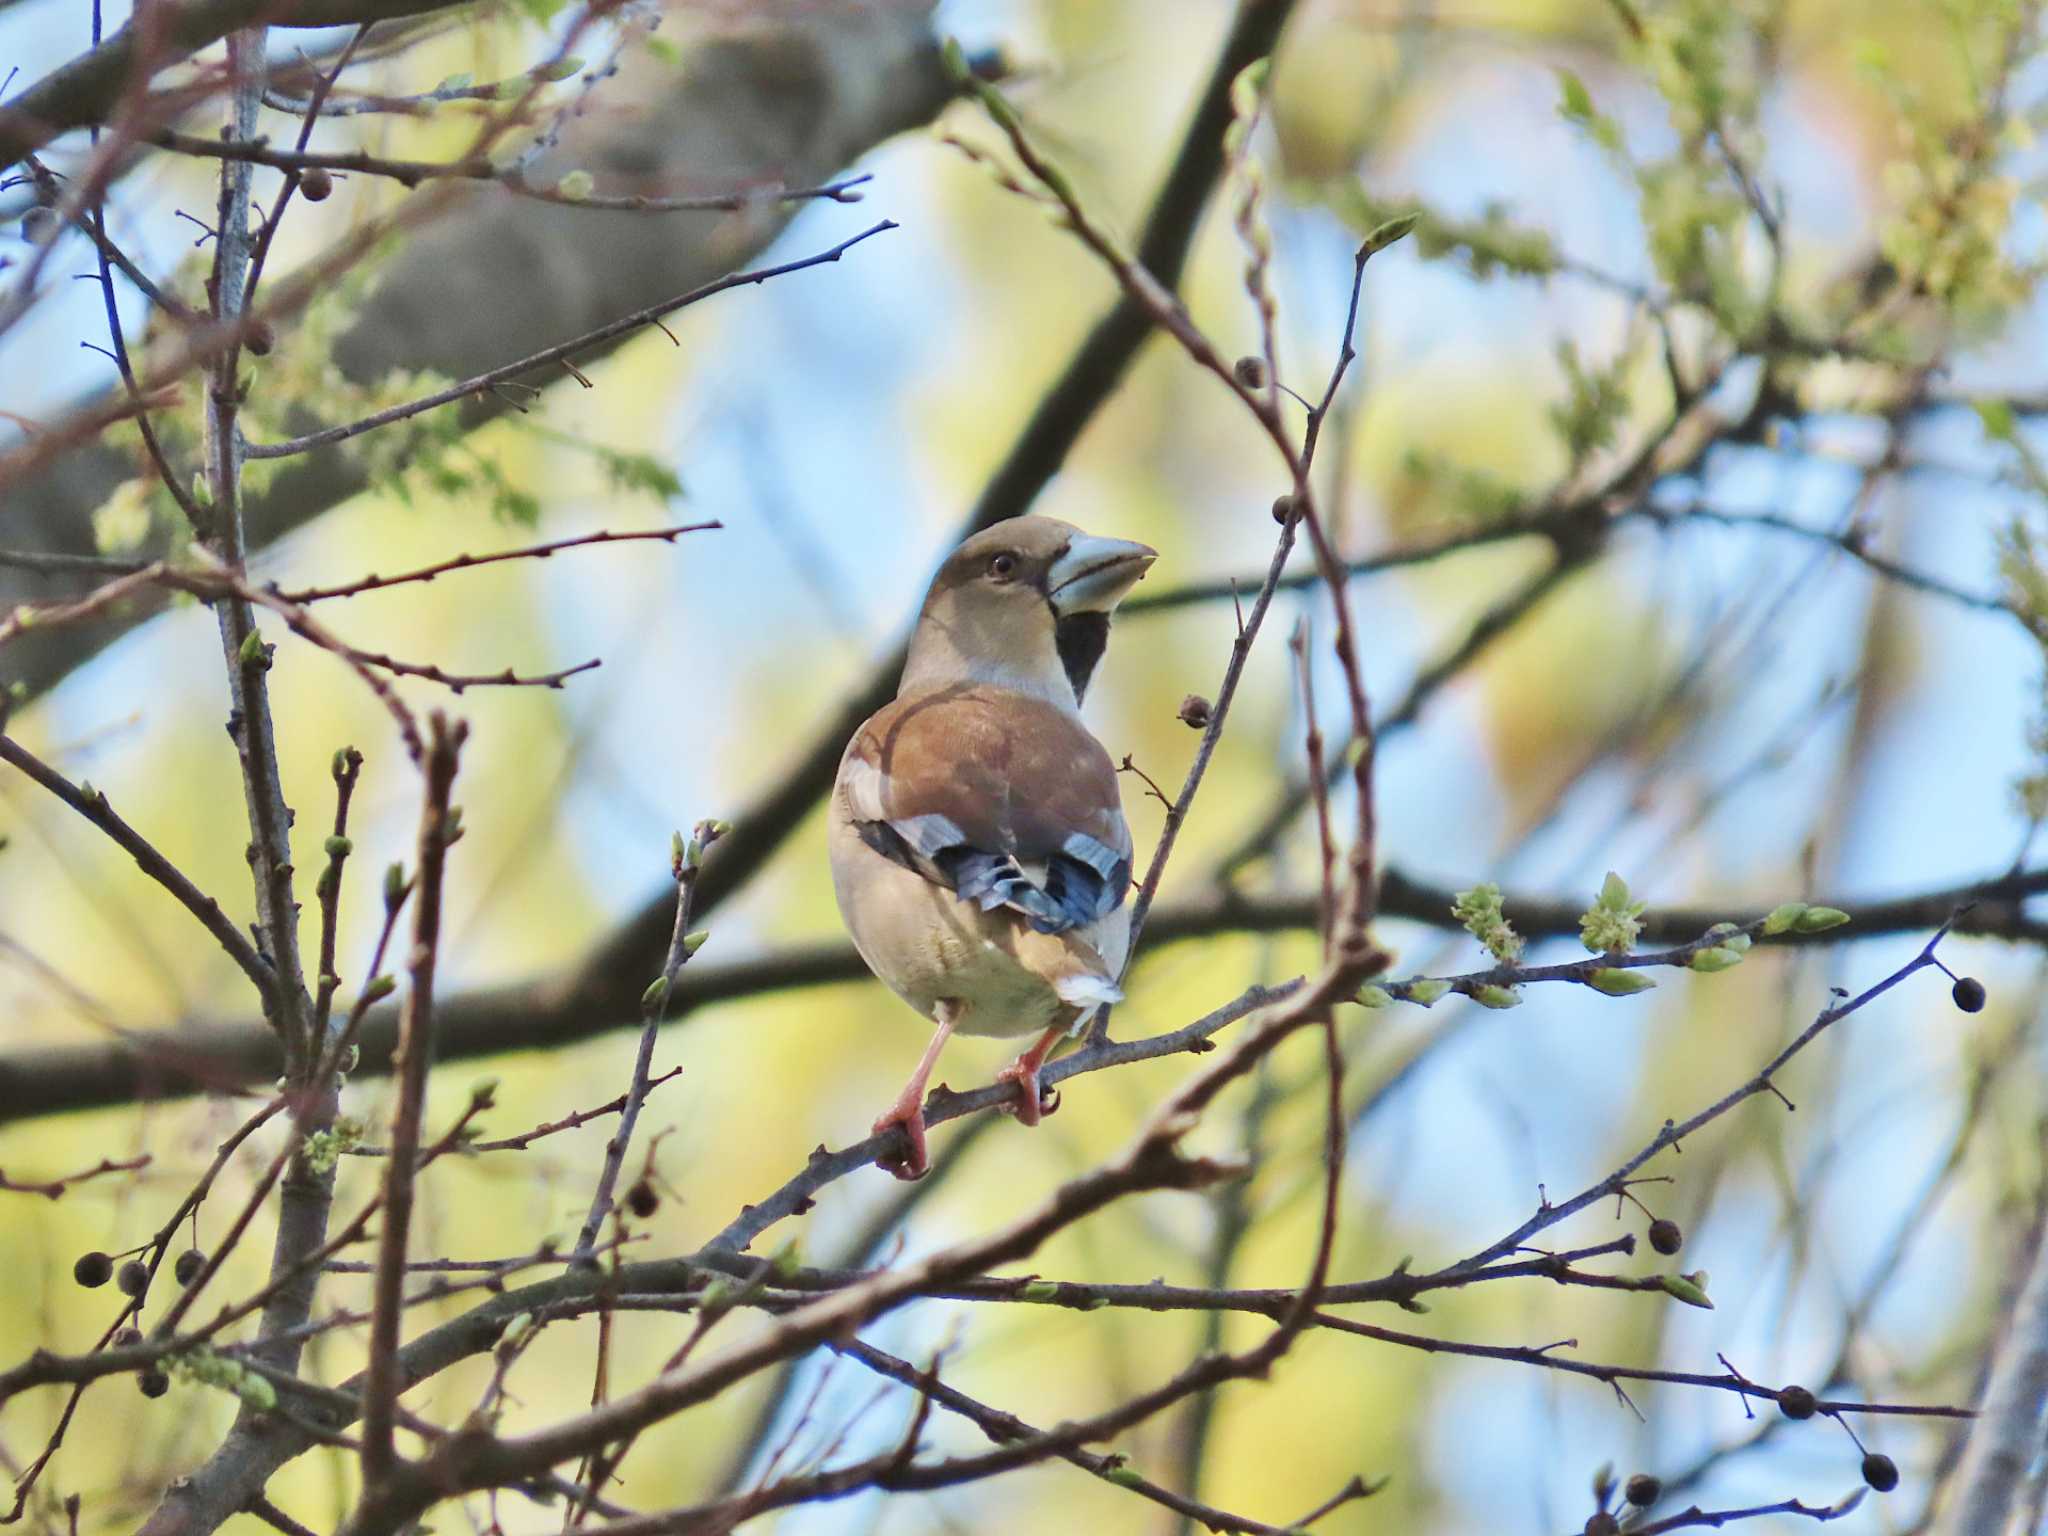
column 1081, row 639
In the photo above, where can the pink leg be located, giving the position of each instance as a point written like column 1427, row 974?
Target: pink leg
column 908, row 1110
column 1024, row 1073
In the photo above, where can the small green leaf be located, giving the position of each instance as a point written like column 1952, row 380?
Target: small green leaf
column 1997, row 417
column 1577, row 103
column 1619, row 983
column 556, row 69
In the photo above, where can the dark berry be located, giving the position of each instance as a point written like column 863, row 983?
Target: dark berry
column 1666, row 1235
column 1283, row 509
column 128, row 1338
column 1881, row 1472
column 154, row 1383
column 1250, row 372
column 260, row 338
column 316, row 186
column 1969, row 994
column 1642, row 1490
column 642, row 1201
column 1797, row 1403
column 1194, row 711
column 190, row 1262
column 93, row 1270
column 134, row 1278
column 1602, row 1524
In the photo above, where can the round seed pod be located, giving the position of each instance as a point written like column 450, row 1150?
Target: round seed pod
column 93, row 1270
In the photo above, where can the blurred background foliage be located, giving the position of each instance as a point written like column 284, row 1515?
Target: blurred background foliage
column 1728, row 715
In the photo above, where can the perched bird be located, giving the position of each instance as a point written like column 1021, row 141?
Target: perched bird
column 979, row 849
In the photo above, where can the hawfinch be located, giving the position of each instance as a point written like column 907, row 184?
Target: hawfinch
column 979, row 849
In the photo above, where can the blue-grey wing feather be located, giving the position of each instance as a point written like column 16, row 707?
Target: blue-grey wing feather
column 1084, row 881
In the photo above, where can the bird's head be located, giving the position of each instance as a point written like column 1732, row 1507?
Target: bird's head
column 1024, row 604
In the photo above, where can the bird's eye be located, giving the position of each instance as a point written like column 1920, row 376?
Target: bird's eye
column 1003, row 566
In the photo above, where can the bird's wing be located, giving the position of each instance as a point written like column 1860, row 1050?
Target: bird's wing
column 1002, row 798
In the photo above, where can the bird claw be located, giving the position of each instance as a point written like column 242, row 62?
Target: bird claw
column 1032, row 1103
column 914, row 1164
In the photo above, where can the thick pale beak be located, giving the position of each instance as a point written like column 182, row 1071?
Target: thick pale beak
column 1094, row 574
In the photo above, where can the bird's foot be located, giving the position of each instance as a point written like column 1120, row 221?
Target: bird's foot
column 1033, row 1102
column 906, row 1115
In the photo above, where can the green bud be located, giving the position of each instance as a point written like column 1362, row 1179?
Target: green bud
column 339, row 847
column 1426, row 991
column 202, row 488
column 577, row 184
column 1370, row 996
column 1715, row 958
column 1390, row 233
column 556, row 69
column 677, row 849
column 1820, row 919
column 1413, row 1304
column 657, row 989
column 787, row 1261
column 692, row 942
column 1123, row 1477
column 256, row 1391
column 1784, row 918
column 1497, row 997
column 394, row 887
column 1039, row 1290
column 1737, row 941
column 1250, row 83
column 717, row 1297
column 1683, row 1288
column 1619, row 983
column 254, row 653
column 954, row 57
column 379, row 987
